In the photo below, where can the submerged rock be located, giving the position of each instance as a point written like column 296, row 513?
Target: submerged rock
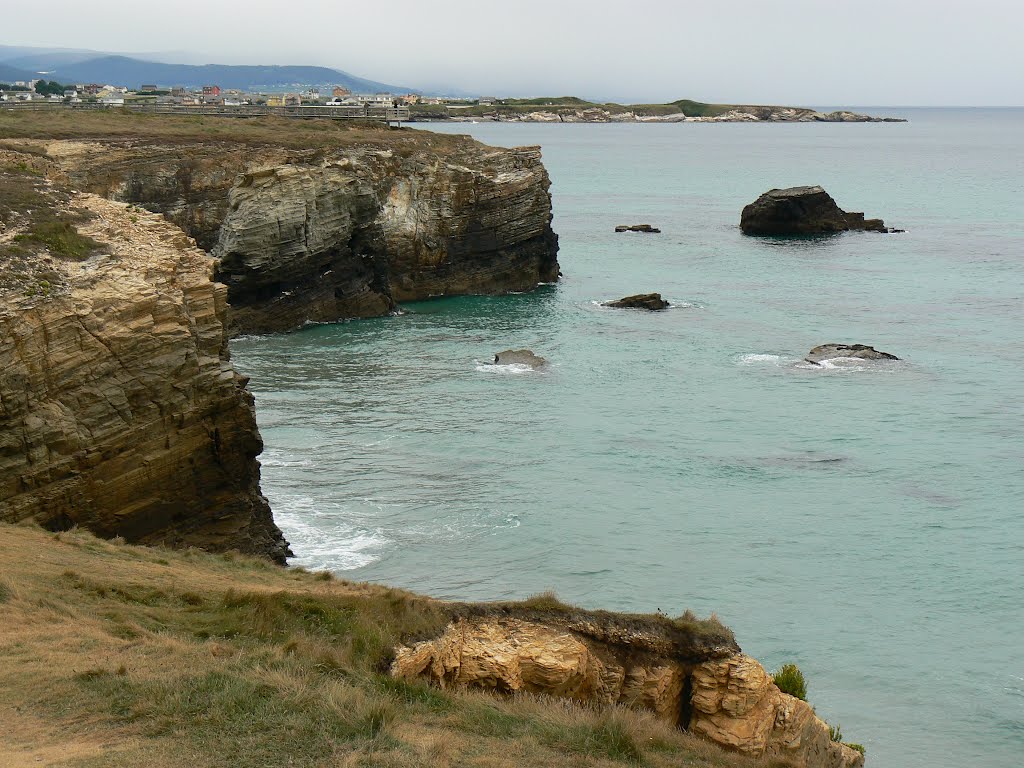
column 637, row 228
column 859, row 351
column 802, row 211
column 519, row 357
column 650, row 301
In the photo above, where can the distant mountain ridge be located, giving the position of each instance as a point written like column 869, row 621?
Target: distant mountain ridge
column 10, row 74
column 133, row 72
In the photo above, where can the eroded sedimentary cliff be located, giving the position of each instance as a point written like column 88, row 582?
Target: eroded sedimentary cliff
column 119, row 408
column 307, row 235
column 688, row 673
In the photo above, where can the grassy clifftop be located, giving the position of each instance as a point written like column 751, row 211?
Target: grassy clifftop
column 116, row 655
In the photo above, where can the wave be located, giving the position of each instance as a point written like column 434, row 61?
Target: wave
column 760, row 358
column 322, row 540
column 514, row 369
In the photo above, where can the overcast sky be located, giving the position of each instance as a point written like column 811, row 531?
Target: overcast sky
column 809, row 52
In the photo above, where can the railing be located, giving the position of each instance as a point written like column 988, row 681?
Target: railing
column 361, row 112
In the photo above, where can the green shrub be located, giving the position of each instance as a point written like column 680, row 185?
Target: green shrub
column 858, row 747
column 545, row 601
column 790, row 680
column 835, row 732
column 61, row 238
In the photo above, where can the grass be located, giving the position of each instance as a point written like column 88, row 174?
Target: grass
column 113, row 655
column 39, row 225
column 791, row 680
column 60, row 237
column 20, row 128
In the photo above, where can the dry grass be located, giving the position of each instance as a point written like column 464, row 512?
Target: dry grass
column 116, row 655
column 260, row 131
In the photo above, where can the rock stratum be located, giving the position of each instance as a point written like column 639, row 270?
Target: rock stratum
column 694, row 678
column 119, row 409
column 317, row 235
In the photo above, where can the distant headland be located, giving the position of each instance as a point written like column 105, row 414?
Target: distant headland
column 570, row 109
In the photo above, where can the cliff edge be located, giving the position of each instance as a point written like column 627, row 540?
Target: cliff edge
column 316, row 223
column 119, row 409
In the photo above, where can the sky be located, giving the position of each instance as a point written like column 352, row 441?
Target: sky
column 806, row 52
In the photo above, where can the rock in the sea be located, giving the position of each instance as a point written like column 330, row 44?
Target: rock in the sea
column 120, row 411
column 858, row 351
column 637, row 228
column 519, row 357
column 802, row 211
column 651, row 301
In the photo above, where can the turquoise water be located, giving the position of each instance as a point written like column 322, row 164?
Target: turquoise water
column 864, row 521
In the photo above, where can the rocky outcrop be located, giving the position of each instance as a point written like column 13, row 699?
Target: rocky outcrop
column 735, row 703
column 649, row 301
column 638, row 228
column 711, row 113
column 309, row 235
column 119, row 408
column 519, row 357
column 708, row 688
column 858, row 351
column 802, row 211
column 511, row 655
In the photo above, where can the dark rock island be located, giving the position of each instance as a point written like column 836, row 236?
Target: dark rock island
column 649, row 301
column 637, row 228
column 802, row 211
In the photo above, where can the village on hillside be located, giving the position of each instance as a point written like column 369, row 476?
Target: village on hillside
column 41, row 90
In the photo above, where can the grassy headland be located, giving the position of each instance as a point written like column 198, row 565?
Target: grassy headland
column 555, row 103
column 117, row 655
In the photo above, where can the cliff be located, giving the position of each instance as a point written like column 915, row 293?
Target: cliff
column 119, row 409
column 689, row 674
column 342, row 224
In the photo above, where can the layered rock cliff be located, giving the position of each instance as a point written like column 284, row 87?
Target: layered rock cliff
column 689, row 673
column 119, row 409
column 320, row 234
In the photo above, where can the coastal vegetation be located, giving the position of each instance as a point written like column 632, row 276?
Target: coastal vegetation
column 790, row 679
column 115, row 655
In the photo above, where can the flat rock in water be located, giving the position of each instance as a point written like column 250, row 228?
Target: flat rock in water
column 519, row 357
column 858, row 351
column 802, row 211
column 651, row 301
column 637, row 228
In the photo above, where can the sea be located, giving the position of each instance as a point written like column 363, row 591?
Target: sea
column 862, row 520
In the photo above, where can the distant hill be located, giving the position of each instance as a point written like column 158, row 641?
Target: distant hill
column 132, row 72
column 9, row 74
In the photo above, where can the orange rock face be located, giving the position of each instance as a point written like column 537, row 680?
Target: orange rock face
column 731, row 701
column 736, row 704
column 509, row 655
